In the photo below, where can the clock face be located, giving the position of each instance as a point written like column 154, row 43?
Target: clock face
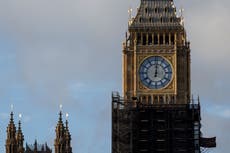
column 155, row 72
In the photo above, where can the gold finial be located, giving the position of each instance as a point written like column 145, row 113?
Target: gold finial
column 181, row 11
column 66, row 115
column 60, row 106
column 130, row 10
column 182, row 16
column 20, row 116
column 11, row 107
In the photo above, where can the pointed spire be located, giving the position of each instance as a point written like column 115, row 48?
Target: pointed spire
column 60, row 116
column 43, row 148
column 11, row 142
column 35, row 145
column 199, row 100
column 60, row 134
column 68, row 148
column 11, row 117
column 11, row 129
column 66, row 122
column 60, row 113
column 11, row 114
column 19, row 123
column 62, row 142
column 20, row 137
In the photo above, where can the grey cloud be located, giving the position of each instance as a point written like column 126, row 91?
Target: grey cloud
column 69, row 42
column 217, row 126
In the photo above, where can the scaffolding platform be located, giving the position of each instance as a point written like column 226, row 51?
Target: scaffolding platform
column 154, row 128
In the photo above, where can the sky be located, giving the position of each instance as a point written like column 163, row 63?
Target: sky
column 69, row 52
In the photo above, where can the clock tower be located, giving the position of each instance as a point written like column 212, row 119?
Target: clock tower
column 156, row 55
column 156, row 113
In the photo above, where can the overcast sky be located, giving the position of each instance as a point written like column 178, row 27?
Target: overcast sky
column 69, row 52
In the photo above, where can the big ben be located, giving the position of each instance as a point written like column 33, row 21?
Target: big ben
column 156, row 56
column 156, row 112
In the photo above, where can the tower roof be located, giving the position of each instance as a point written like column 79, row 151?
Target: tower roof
column 156, row 14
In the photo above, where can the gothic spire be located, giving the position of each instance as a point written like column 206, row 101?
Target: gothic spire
column 35, row 146
column 20, row 138
column 11, row 142
column 68, row 148
column 59, row 142
column 60, row 117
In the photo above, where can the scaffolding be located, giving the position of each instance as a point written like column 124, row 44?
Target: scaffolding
column 154, row 128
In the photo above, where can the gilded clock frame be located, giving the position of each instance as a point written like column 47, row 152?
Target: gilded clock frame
column 170, row 87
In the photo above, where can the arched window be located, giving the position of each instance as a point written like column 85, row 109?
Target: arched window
column 161, row 39
column 155, row 99
column 144, row 39
column 150, row 20
column 155, row 39
column 138, row 38
column 149, row 100
column 167, row 39
column 144, row 99
column 140, row 20
column 161, row 100
column 150, row 39
column 172, row 39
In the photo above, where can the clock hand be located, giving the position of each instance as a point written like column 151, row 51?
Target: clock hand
column 156, row 71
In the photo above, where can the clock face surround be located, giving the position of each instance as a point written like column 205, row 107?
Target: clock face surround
column 155, row 72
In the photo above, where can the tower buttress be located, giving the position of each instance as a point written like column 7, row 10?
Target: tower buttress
column 35, row 146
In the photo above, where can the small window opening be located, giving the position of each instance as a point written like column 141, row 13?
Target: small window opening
column 167, row 99
column 166, row 10
column 144, row 99
column 138, row 38
column 172, row 39
column 161, row 100
column 150, row 19
column 144, row 39
column 173, row 100
column 161, row 39
column 149, row 99
column 155, row 99
column 140, row 20
column 146, row 10
column 167, row 39
column 150, row 40
column 155, row 40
